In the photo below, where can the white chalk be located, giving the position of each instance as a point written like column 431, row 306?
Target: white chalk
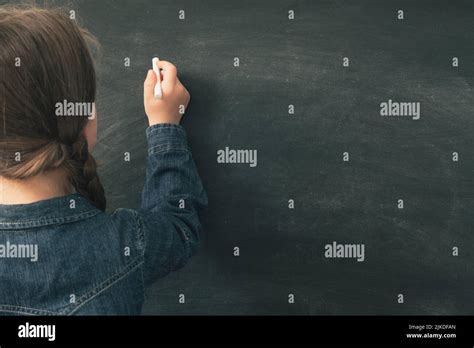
column 156, row 69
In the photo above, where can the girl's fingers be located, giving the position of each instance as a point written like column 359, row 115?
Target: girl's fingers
column 169, row 74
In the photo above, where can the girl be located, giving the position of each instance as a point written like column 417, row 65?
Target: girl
column 60, row 253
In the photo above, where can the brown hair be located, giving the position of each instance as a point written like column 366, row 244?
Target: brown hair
column 45, row 58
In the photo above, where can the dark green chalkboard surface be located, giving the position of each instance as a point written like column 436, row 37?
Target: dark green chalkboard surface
column 329, row 169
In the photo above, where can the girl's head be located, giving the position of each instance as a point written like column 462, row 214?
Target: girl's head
column 47, row 81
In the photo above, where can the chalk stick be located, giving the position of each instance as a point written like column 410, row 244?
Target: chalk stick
column 156, row 69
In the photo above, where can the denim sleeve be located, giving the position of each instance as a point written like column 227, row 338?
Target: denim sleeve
column 172, row 200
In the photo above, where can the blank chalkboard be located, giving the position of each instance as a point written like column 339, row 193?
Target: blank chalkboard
column 302, row 82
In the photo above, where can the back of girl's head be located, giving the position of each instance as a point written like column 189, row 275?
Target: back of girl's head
column 45, row 59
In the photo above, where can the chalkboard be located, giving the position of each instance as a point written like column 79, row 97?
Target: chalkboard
column 302, row 83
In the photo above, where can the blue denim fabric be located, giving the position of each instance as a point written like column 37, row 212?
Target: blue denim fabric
column 89, row 262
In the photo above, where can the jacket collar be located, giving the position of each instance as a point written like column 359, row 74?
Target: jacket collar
column 56, row 210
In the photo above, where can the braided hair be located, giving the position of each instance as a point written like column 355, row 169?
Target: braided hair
column 84, row 177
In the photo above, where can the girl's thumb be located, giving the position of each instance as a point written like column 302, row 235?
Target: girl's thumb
column 149, row 84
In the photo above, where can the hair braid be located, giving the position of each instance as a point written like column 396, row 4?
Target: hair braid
column 84, row 176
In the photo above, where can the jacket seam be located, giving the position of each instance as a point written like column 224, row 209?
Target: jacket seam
column 84, row 299
column 141, row 237
column 164, row 128
column 160, row 149
column 25, row 310
column 51, row 220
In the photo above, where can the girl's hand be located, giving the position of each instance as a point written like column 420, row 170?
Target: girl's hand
column 170, row 108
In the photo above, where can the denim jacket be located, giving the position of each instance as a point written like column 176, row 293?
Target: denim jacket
column 89, row 262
